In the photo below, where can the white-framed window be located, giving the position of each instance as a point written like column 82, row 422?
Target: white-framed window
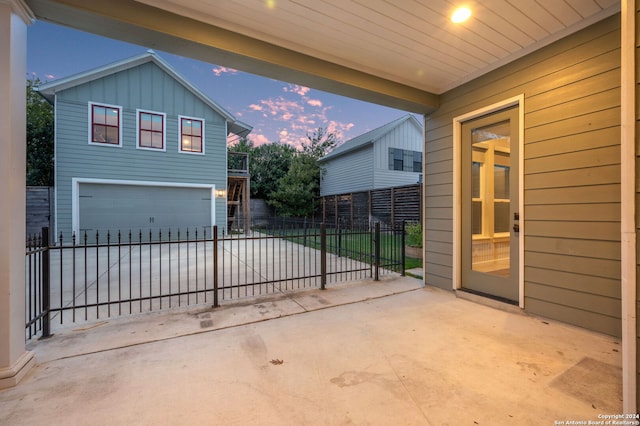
column 191, row 134
column 151, row 130
column 105, row 124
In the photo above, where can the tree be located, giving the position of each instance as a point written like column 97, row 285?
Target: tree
column 298, row 190
column 320, row 143
column 267, row 164
column 271, row 162
column 39, row 137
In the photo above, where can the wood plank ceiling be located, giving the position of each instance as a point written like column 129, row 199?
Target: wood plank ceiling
column 399, row 53
column 410, row 42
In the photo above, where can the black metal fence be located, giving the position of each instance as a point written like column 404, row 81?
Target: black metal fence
column 89, row 279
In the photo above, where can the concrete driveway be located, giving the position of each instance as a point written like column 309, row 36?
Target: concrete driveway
column 383, row 353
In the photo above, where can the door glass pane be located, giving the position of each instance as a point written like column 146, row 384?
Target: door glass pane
column 475, row 180
column 501, row 182
column 501, row 217
column 490, row 203
column 476, row 217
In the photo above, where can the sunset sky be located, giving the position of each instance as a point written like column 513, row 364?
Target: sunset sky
column 278, row 111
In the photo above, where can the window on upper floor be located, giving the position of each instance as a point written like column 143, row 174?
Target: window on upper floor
column 398, row 159
column 151, row 130
column 105, row 124
column 191, row 135
column 417, row 161
column 405, row 160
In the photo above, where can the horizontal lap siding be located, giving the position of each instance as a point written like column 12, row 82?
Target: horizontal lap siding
column 146, row 87
column 351, row 172
column 637, row 136
column 571, row 175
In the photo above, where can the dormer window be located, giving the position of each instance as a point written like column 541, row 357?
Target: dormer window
column 105, row 124
column 191, row 135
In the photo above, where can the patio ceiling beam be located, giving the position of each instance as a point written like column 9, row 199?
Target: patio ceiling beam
column 134, row 22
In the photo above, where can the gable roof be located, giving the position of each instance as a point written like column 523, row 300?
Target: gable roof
column 48, row 90
column 370, row 137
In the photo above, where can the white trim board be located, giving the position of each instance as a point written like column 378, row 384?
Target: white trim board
column 457, row 214
column 628, row 224
column 75, row 194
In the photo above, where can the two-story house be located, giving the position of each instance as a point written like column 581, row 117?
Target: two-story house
column 138, row 147
column 388, row 156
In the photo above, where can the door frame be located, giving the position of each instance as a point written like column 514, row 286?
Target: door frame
column 457, row 188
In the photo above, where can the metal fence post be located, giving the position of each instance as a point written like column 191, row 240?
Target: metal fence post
column 403, row 240
column 215, row 266
column 323, row 256
column 46, row 285
column 377, row 252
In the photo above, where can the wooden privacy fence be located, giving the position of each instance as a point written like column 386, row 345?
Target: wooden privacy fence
column 387, row 205
column 39, row 208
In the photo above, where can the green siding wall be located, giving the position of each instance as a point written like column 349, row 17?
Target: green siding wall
column 571, row 175
column 145, row 87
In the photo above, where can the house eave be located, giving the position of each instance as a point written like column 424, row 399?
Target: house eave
column 48, row 90
column 330, row 157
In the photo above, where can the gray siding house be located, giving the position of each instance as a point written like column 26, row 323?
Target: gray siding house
column 522, row 182
column 532, row 155
column 388, row 156
column 137, row 147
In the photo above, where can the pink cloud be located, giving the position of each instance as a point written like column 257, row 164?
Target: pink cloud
column 218, row 71
column 258, row 139
column 294, row 88
column 289, row 119
column 281, row 109
column 338, row 128
column 232, row 139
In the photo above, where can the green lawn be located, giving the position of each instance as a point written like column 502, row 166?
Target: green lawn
column 357, row 245
column 410, row 263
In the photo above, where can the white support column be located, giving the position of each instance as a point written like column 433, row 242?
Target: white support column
column 628, row 205
column 15, row 361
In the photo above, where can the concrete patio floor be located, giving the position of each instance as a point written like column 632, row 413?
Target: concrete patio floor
column 388, row 353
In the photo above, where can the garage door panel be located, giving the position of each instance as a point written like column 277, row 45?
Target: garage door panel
column 105, row 207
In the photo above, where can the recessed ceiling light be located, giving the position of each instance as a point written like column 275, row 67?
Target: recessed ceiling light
column 460, row 15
